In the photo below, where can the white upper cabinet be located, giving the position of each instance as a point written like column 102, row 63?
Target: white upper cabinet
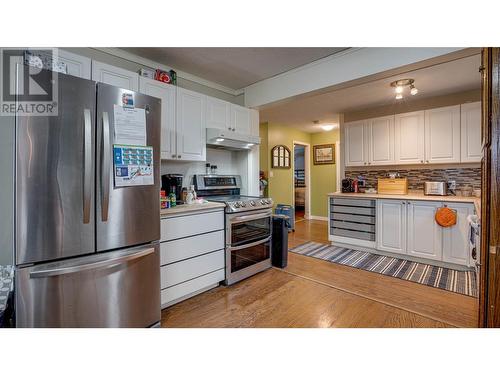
column 240, row 119
column 191, row 135
column 78, row 66
column 442, row 135
column 409, row 138
column 166, row 93
column 381, row 141
column 455, row 238
column 424, row 234
column 115, row 76
column 218, row 114
column 356, row 137
column 470, row 123
column 391, row 225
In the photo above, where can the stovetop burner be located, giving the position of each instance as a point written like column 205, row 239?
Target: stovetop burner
column 239, row 203
column 227, row 189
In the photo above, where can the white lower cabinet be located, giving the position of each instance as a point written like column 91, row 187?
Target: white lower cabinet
column 391, row 225
column 424, row 234
column 192, row 255
column 455, row 238
column 409, row 227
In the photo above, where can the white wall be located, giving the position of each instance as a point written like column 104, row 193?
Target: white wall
column 228, row 162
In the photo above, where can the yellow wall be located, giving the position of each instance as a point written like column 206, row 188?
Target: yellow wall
column 323, row 178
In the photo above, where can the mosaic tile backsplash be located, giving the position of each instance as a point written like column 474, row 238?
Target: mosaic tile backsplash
column 416, row 177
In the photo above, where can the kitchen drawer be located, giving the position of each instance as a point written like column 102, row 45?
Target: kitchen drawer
column 191, row 225
column 353, row 202
column 352, row 234
column 353, row 210
column 353, row 226
column 176, row 250
column 354, row 218
column 189, row 288
column 179, row 272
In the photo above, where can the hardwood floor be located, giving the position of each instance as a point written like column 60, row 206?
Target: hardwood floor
column 315, row 293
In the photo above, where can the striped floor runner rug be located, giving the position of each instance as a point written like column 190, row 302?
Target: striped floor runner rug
column 463, row 282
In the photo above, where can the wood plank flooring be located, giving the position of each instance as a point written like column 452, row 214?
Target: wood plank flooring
column 315, row 293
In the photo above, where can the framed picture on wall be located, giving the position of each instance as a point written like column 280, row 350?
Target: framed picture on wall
column 280, row 157
column 324, row 154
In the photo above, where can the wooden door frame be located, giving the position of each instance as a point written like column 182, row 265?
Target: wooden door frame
column 489, row 276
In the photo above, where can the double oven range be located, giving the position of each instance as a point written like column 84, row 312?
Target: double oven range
column 248, row 225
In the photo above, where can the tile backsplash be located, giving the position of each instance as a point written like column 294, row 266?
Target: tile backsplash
column 416, row 177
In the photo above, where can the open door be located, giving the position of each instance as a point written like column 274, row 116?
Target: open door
column 489, row 276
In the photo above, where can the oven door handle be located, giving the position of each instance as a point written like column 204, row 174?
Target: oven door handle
column 231, row 248
column 240, row 219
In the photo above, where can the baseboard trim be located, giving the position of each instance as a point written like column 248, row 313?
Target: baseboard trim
column 322, row 218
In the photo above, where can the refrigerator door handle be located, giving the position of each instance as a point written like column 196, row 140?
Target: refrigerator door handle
column 105, row 263
column 105, row 166
column 87, row 166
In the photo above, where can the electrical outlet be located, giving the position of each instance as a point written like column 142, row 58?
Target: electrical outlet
column 452, row 185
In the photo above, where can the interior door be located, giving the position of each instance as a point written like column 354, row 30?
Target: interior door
column 125, row 216
column 55, row 176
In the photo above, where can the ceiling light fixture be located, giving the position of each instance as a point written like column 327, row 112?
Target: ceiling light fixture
column 220, row 139
column 400, row 85
column 327, row 127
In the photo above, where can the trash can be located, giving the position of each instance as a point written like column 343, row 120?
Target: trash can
column 279, row 254
column 289, row 212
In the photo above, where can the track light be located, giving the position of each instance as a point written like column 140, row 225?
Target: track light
column 400, row 84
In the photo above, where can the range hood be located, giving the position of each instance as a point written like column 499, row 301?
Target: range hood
column 229, row 140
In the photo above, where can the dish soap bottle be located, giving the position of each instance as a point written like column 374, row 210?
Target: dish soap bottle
column 172, row 197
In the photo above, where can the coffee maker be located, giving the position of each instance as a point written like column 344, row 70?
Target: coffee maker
column 173, row 181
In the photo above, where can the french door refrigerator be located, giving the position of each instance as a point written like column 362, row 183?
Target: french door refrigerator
column 86, row 250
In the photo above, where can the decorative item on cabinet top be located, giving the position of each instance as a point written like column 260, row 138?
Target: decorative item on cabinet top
column 280, row 157
column 324, row 154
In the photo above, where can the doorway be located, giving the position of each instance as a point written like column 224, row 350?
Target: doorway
column 301, row 183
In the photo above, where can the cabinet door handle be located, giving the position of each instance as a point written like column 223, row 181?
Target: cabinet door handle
column 174, row 156
column 421, row 161
column 178, row 156
column 427, row 161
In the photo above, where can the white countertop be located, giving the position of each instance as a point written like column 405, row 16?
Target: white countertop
column 190, row 208
column 414, row 195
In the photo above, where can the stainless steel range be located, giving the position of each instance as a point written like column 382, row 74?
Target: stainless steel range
column 248, row 225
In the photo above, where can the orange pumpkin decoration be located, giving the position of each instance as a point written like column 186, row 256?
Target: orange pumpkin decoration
column 446, row 217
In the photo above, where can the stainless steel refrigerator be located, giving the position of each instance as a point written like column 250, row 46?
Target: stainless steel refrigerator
column 86, row 250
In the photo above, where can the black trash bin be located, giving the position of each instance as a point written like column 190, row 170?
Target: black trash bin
column 279, row 256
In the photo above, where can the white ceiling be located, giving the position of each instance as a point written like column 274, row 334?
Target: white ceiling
column 451, row 77
column 235, row 68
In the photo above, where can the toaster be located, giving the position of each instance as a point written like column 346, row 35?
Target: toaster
column 435, row 188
